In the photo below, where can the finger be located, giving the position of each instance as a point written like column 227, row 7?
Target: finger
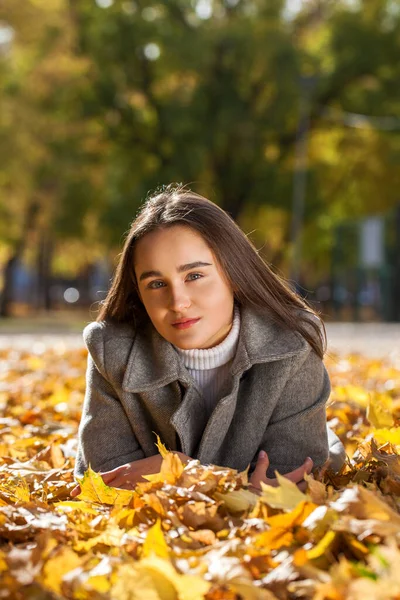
column 261, row 465
column 108, row 477
column 254, row 490
column 260, row 472
column 273, row 482
column 76, row 491
column 302, row 486
column 298, row 474
column 126, row 486
column 118, row 482
column 122, row 481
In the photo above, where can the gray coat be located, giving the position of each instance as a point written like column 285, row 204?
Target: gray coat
column 137, row 386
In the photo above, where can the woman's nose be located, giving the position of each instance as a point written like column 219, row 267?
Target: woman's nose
column 179, row 300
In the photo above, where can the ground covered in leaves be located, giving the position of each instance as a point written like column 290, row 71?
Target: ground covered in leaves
column 194, row 532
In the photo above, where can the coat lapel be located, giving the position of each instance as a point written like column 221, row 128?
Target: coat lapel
column 190, row 420
column 154, row 369
column 260, row 341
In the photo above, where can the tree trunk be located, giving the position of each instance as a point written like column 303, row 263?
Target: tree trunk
column 7, row 291
column 395, row 302
column 6, row 297
column 44, row 258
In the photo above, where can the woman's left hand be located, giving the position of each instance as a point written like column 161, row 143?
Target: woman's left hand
column 259, row 474
column 127, row 476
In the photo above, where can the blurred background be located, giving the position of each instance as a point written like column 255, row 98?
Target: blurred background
column 285, row 113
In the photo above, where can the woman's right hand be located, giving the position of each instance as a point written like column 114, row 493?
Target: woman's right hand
column 128, row 475
column 259, row 474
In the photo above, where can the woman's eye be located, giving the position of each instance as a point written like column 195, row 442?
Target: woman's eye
column 194, row 276
column 155, row 285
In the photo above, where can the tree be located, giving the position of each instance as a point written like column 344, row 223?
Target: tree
column 51, row 153
column 104, row 101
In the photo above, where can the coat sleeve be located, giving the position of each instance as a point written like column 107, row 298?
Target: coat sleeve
column 105, row 437
column 298, row 427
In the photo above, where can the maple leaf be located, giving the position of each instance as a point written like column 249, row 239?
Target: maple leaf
column 161, row 447
column 238, row 500
column 285, row 495
column 93, row 489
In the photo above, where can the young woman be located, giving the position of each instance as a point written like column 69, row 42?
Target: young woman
column 199, row 342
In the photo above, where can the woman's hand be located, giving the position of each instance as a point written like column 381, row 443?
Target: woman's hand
column 127, row 476
column 259, row 474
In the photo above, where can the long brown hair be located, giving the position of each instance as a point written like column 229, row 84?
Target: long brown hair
column 251, row 279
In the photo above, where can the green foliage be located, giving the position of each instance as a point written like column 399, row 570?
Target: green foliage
column 100, row 105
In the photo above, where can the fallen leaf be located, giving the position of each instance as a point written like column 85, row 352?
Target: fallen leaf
column 285, row 495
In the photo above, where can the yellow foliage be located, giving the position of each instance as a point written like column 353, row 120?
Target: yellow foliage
column 195, row 532
column 286, row 495
column 161, row 448
column 62, row 562
column 379, row 411
column 93, row 489
column 155, row 542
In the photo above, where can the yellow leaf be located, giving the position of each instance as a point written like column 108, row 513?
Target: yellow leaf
column 274, row 538
column 355, row 393
column 57, row 566
column 3, row 564
column 34, row 363
column 70, row 505
column 98, row 583
column 21, row 491
column 281, row 533
column 391, row 435
column 238, row 500
column 246, row 589
column 155, row 578
column 294, row 518
column 244, row 475
column 155, row 542
column 171, row 468
column 316, row 490
column 286, row 495
column 153, row 501
column 379, row 411
column 322, row 546
column 93, row 489
column 161, row 447
column 187, row 587
column 153, row 477
column 124, row 517
column 132, row 584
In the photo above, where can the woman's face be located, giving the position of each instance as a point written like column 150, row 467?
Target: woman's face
column 182, row 287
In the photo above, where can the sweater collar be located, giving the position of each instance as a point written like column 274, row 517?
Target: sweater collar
column 153, row 362
column 203, row 359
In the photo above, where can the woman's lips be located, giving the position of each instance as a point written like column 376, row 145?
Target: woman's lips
column 185, row 324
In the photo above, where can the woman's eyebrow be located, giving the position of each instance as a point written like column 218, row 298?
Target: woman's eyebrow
column 180, row 269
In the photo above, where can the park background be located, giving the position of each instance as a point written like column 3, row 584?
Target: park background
column 287, row 114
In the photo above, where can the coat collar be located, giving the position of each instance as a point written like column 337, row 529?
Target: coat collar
column 153, row 362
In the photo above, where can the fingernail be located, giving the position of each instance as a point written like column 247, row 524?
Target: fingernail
column 262, row 454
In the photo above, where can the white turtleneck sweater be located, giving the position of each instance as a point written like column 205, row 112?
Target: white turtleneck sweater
column 210, row 367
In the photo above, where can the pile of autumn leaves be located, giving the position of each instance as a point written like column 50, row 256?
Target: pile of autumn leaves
column 194, row 532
